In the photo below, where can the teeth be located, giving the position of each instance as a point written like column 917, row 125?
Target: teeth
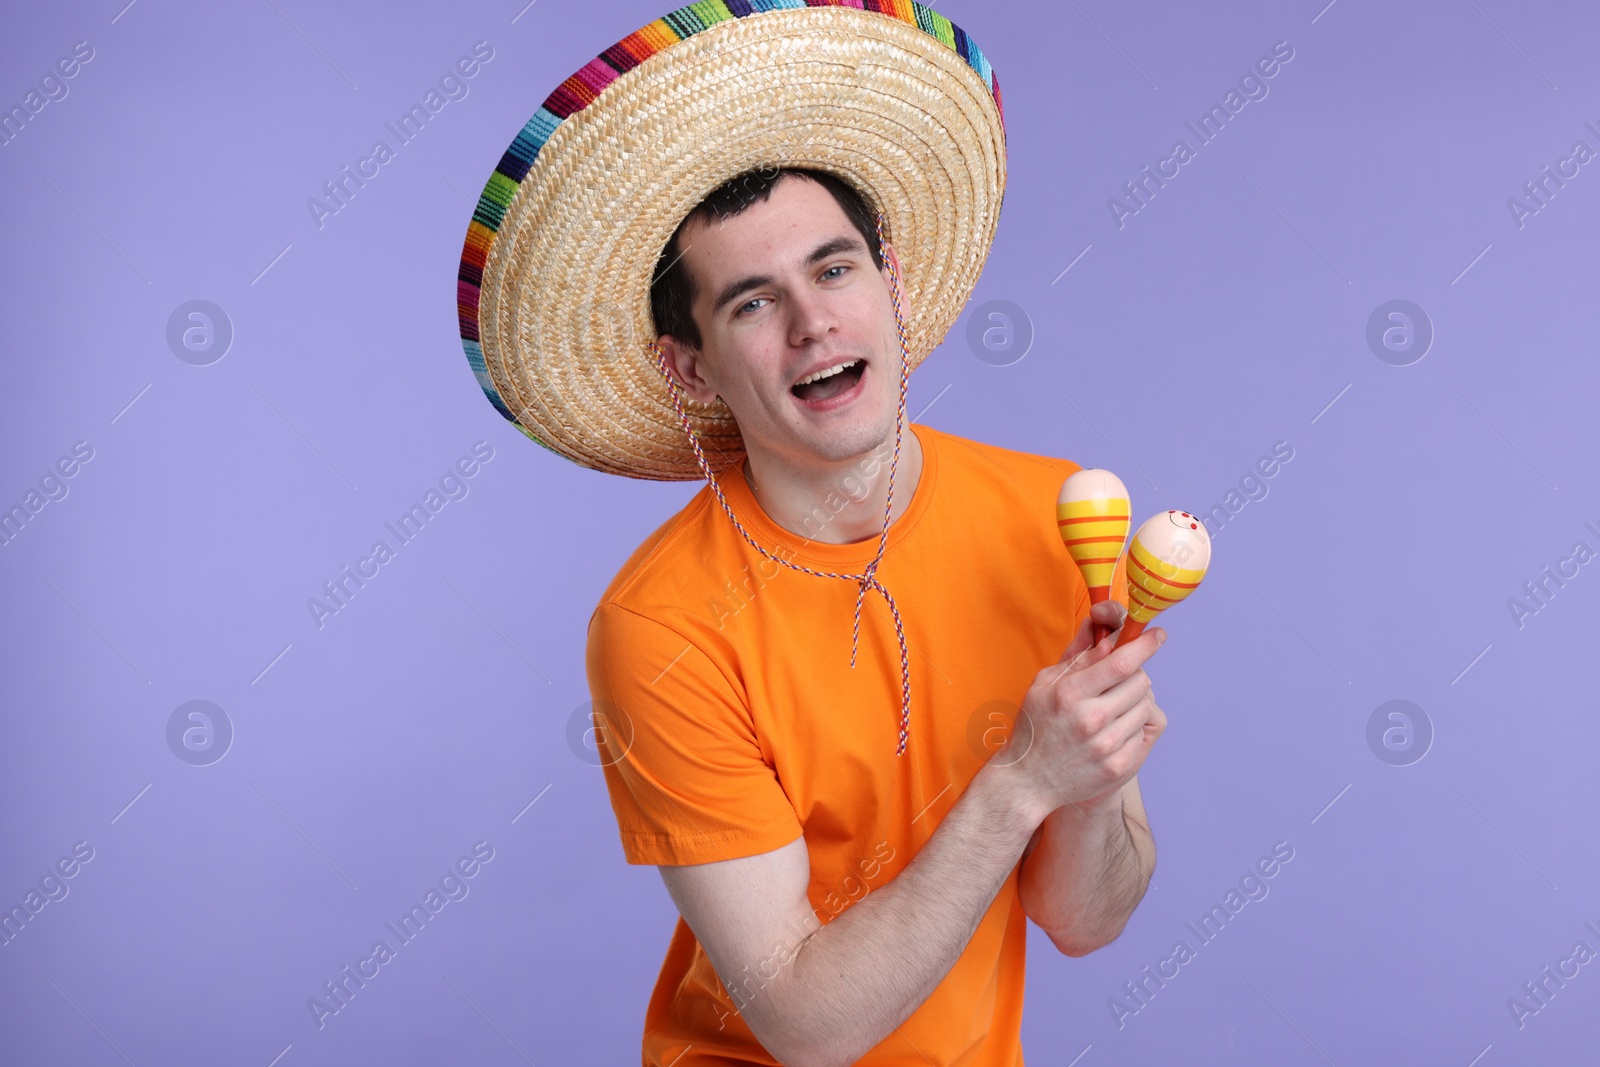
column 829, row 372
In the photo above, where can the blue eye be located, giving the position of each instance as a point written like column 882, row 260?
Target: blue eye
column 747, row 306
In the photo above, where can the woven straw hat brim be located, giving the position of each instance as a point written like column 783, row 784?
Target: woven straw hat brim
column 554, row 294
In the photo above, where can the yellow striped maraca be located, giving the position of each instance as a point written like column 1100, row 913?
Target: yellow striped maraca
column 1093, row 518
column 1168, row 557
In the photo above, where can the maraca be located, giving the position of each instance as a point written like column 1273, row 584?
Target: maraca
column 1168, row 557
column 1092, row 516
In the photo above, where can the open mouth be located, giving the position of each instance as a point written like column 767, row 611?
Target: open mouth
column 834, row 384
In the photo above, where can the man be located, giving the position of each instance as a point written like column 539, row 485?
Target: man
column 854, row 884
column 769, row 312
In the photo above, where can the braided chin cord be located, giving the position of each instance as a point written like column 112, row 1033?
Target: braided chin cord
column 868, row 578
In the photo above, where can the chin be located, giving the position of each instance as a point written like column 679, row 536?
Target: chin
column 862, row 436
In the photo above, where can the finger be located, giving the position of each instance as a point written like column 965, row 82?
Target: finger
column 1095, row 652
column 1130, row 758
column 1108, row 613
column 1076, row 658
column 1080, row 640
column 1158, row 718
column 1133, row 697
column 1127, row 729
column 1127, row 692
column 1091, row 632
column 1108, row 616
column 1096, row 677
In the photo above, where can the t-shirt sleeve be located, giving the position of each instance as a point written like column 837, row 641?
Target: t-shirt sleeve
column 678, row 747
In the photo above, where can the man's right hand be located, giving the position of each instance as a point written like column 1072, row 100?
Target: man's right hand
column 1086, row 725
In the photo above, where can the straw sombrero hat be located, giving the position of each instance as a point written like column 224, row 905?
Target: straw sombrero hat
column 554, row 288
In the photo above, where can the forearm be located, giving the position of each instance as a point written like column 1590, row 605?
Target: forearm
column 860, row 976
column 1086, row 875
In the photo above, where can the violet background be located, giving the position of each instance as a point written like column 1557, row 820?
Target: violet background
column 1227, row 315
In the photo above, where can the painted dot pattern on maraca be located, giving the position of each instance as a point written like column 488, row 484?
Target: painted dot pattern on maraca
column 1167, row 560
column 1092, row 515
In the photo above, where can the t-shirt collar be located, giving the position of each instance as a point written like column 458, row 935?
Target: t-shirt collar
column 855, row 554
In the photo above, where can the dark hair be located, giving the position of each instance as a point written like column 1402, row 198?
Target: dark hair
column 672, row 291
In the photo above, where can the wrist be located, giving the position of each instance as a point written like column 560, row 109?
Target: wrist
column 1012, row 794
column 1105, row 809
column 1099, row 819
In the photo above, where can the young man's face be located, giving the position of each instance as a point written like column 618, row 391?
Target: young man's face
column 786, row 288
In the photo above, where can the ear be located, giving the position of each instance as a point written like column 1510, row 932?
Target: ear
column 889, row 257
column 687, row 366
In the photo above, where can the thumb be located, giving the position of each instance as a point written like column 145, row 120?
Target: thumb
column 1080, row 640
column 1110, row 613
column 1082, row 653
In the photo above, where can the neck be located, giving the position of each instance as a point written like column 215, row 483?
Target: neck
column 839, row 503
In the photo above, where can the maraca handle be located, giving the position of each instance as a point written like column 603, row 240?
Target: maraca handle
column 1131, row 628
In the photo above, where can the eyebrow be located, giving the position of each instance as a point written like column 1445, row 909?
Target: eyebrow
column 827, row 248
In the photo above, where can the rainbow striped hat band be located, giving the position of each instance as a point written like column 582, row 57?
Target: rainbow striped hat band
column 553, row 293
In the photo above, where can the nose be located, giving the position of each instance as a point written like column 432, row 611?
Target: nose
column 810, row 318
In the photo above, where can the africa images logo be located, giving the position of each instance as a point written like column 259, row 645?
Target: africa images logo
column 1252, row 886
column 339, row 991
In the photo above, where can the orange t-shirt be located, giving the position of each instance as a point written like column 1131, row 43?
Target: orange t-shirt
column 734, row 722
